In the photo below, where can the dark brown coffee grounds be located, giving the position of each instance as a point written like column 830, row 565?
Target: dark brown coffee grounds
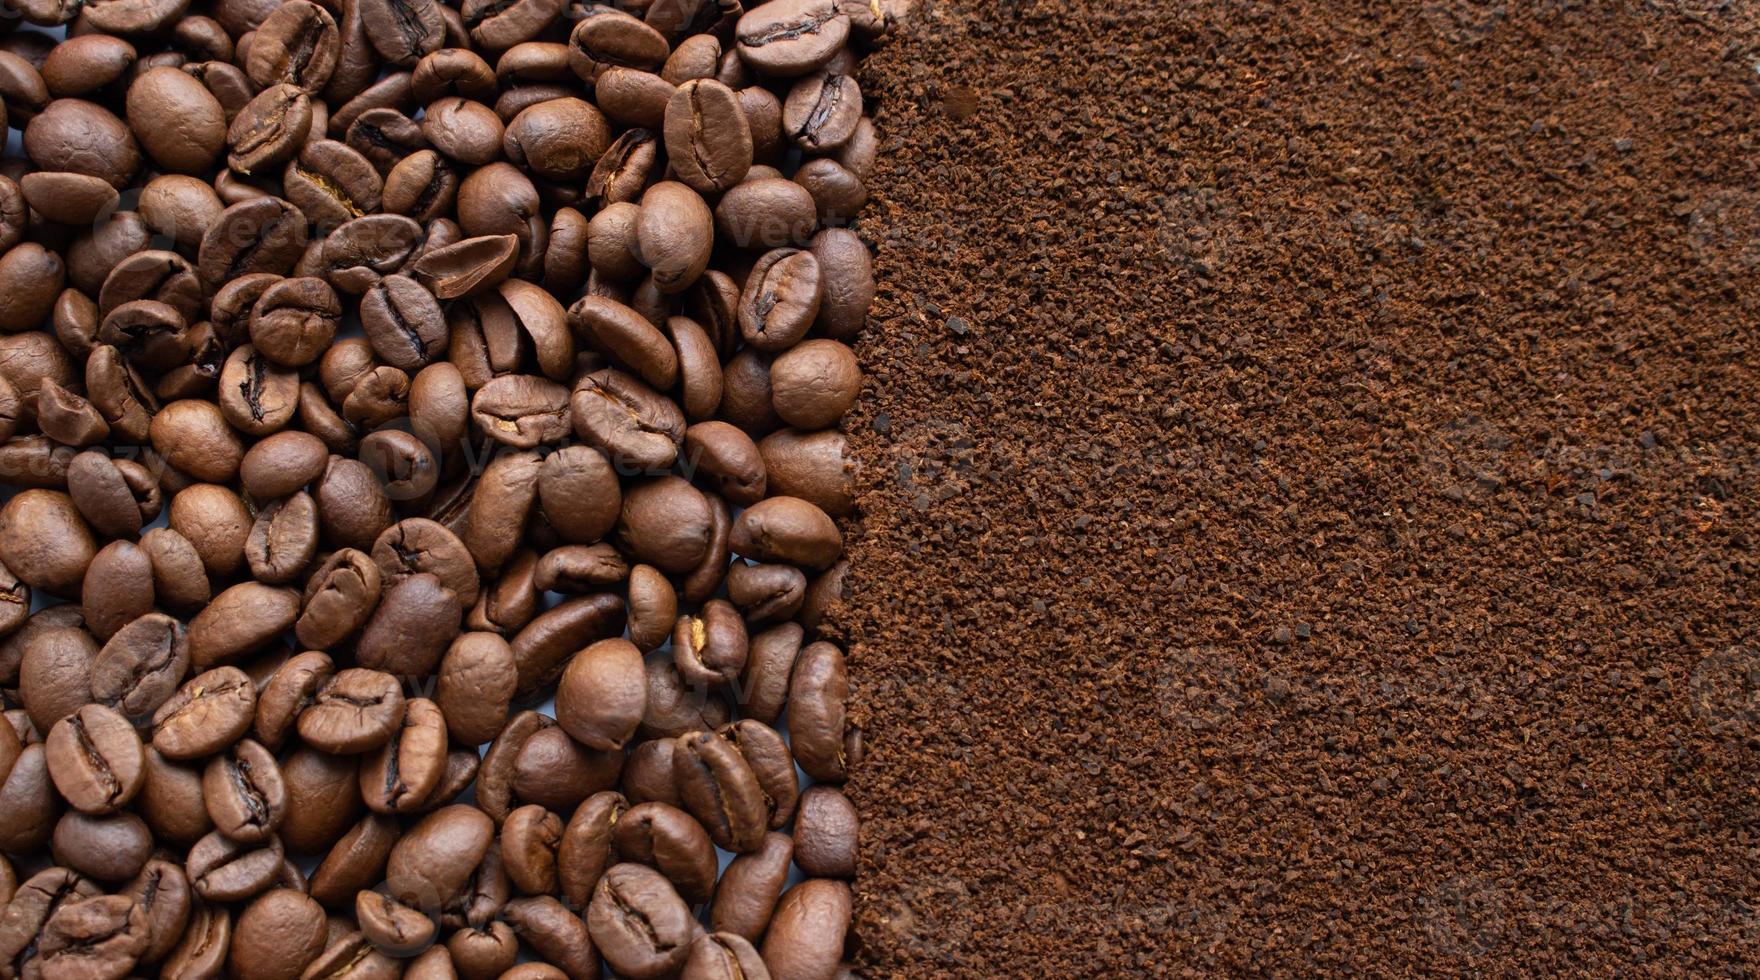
column 1309, row 491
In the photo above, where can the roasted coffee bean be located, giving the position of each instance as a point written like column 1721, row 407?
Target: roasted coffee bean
column 606, row 38
column 277, row 936
column 240, row 621
column 224, row 870
column 118, row 587
column 499, row 506
column 770, row 761
column 294, row 320
column 633, row 98
column 665, row 522
column 529, row 839
column 781, row 299
column 352, row 507
column 385, row 136
column 45, row 541
column 244, row 792
column 603, row 694
column 822, row 740
column 629, row 337
column 674, row 234
column 557, row 139
column 709, row 647
column 586, row 849
column 555, row 771
column 95, row 759
column 638, row 922
column 766, row 212
column 356, row 711
column 766, row 593
column 401, row 775
column 209, row 712
column 822, row 110
column 354, row 957
column 434, row 861
column 813, row 383
column 674, row 707
column 264, row 234
column 467, row 267
column 791, row 37
column 288, row 692
column 298, row 44
column 162, row 892
column 100, row 937
column 339, row 599
column 391, row 926
column 577, row 568
column 55, row 670
column 116, row 497
column 746, row 897
column 648, row 775
column 814, row 466
column 421, row 185
column 402, row 31
column 557, row 934
column 708, row 137
column 786, row 529
column 411, row 628
column 356, row 861
column 359, row 253
column 807, row 932
column 141, row 665
column 623, row 171
column 723, row 956
column 579, row 494
column 416, row 545
column 653, row 607
column 179, row 122
column 283, row 540
column 323, row 799
column 522, row 411
column 720, row 790
column 825, row 833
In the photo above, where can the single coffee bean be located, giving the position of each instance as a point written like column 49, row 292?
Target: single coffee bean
column 356, row 711
column 245, row 793
column 807, row 932
column 240, row 621
column 171, row 802
column 765, row 212
column 674, row 707
column 723, row 956
column 674, row 234
column 95, row 759
column 402, row 31
column 648, row 775
column 323, row 799
column 746, row 896
column 554, row 771
column 556, row 934
column 110, row 848
column 475, row 686
column 787, row 529
column 671, row 841
column 781, row 299
column 768, row 756
column 277, row 936
column 180, row 124
column 433, row 862
column 287, row 694
column 391, row 926
column 602, row 694
column 404, row 323
column 411, row 628
column 118, row 587
column 467, row 267
column 822, row 110
column 221, row 869
column 421, row 185
column 791, row 37
column 416, row 545
column 209, row 712
column 399, row 776
column 720, row 790
column 499, row 506
column 529, row 839
column 579, row 494
column 629, row 337
column 101, row 937
column 577, row 568
column 814, row 466
column 847, row 271
column 633, row 98
column 356, row 861
column 638, row 922
column 140, row 666
column 586, row 850
column 45, row 542
column 353, row 957
column 623, row 171
column 606, row 37
column 264, row 234
column 766, row 593
column 294, row 320
column 283, row 540
column 709, row 647
column 825, row 833
column 822, row 739
column 557, row 139
column 340, row 597
column 162, row 892
column 522, row 411
column 665, row 522
column 708, row 137
column 653, row 607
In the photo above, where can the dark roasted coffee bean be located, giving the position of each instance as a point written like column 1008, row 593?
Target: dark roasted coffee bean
column 434, row 861
column 95, row 759
column 298, row 45
column 822, row 110
column 421, row 185
column 404, row 323
column 384, row 136
column 402, row 31
column 269, row 130
column 277, row 936
column 141, row 665
column 359, row 253
column 807, row 932
column 586, row 849
column 162, row 892
column 791, row 37
column 209, row 712
column 723, row 956
column 708, row 137
column 355, row 711
column 749, row 888
column 767, row 212
column 331, row 183
column 720, row 790
column 579, row 494
column 340, row 597
column 401, row 775
column 245, row 793
column 557, row 934
column 638, row 922
column 847, row 272
column 411, row 628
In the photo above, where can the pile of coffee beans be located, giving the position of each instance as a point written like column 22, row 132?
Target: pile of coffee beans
column 373, row 372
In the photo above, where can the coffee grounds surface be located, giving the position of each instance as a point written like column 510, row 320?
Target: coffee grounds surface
column 1309, row 471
